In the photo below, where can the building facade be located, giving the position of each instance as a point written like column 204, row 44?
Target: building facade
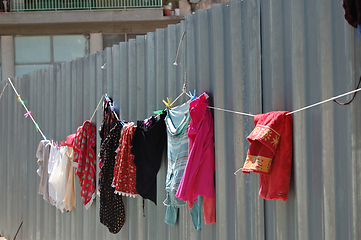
column 35, row 34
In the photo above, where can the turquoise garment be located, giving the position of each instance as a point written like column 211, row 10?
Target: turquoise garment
column 177, row 122
column 171, row 214
column 196, row 213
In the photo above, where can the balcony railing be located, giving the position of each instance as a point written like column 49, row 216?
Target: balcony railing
column 62, row 5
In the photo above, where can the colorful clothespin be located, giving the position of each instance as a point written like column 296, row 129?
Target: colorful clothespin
column 167, row 104
column 21, row 101
column 56, row 145
column 109, row 101
column 27, row 114
column 158, row 112
column 194, row 95
column 37, row 127
column 147, row 122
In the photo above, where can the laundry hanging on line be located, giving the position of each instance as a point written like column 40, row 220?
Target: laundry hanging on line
column 270, row 154
column 57, row 175
column 28, row 112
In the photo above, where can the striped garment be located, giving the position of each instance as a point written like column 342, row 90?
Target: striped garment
column 177, row 121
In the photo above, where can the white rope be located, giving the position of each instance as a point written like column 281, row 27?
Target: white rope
column 180, row 42
column 301, row 109
column 22, row 103
column 3, row 90
column 324, row 101
column 225, row 110
column 101, row 98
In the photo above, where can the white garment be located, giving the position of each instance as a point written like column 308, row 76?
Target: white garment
column 70, row 196
column 54, row 159
column 42, row 154
column 58, row 177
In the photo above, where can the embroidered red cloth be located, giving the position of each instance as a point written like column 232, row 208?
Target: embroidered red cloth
column 84, row 154
column 124, row 179
column 270, row 153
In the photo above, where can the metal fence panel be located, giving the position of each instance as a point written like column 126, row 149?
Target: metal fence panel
column 251, row 56
column 308, row 55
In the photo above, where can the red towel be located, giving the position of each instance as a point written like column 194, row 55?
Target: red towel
column 270, row 153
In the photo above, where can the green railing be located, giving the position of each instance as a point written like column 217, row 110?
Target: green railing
column 62, row 5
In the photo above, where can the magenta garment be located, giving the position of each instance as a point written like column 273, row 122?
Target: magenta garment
column 198, row 177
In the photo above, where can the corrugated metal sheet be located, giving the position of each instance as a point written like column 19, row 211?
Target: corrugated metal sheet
column 251, row 56
column 309, row 53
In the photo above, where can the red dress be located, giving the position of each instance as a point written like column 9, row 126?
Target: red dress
column 84, row 154
column 124, row 179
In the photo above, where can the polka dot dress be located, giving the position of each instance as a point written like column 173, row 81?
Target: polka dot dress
column 112, row 213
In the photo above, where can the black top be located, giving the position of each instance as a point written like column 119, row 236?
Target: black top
column 148, row 144
column 112, row 213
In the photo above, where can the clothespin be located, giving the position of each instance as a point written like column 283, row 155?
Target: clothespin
column 56, row 144
column 158, row 112
column 27, row 114
column 37, row 127
column 168, row 104
column 109, row 101
column 21, row 101
column 148, row 121
column 193, row 96
column 112, row 108
column 107, row 98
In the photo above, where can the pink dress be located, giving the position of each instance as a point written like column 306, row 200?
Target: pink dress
column 198, row 177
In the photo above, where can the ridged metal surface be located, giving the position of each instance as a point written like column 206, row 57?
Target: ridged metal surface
column 310, row 53
column 251, row 56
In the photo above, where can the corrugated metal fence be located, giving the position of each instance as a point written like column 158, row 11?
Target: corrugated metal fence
column 251, row 56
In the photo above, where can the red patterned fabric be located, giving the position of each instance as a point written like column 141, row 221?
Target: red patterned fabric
column 84, row 154
column 124, row 179
column 270, row 154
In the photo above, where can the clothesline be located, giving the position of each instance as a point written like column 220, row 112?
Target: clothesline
column 226, row 110
column 3, row 90
column 324, row 101
column 101, row 98
column 298, row 110
column 216, row 108
column 28, row 113
column 26, row 109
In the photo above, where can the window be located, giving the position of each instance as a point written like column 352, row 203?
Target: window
column 113, row 39
column 35, row 52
